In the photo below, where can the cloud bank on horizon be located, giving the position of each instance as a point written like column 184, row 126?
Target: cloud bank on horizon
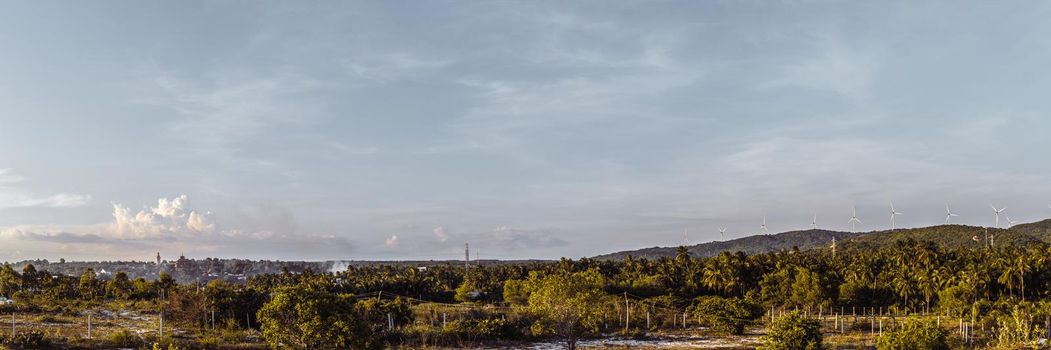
column 393, row 130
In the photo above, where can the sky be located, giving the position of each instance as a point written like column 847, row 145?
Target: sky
column 536, row 129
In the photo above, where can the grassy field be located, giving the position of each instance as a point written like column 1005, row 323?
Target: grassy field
column 114, row 327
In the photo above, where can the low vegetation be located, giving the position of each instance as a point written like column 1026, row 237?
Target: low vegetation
column 993, row 295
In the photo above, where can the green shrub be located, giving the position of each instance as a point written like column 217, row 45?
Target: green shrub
column 792, row 332
column 724, row 315
column 124, row 338
column 1016, row 330
column 231, row 333
column 915, row 334
column 29, row 340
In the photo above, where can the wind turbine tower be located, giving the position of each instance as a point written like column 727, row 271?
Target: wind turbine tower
column 854, row 220
column 948, row 214
column 893, row 213
column 763, row 226
column 813, row 223
column 1009, row 221
column 722, row 232
column 997, row 213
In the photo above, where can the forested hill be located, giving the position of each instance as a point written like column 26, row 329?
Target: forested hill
column 956, row 236
column 952, row 236
column 1039, row 229
column 804, row 239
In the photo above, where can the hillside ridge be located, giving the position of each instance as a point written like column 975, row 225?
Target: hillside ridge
column 950, row 235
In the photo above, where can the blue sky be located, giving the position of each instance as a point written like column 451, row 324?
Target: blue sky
column 399, row 130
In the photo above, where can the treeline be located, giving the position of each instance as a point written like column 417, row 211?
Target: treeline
column 376, row 306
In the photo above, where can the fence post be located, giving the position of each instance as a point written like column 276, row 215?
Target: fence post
column 627, row 313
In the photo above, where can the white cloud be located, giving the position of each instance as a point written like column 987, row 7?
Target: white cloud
column 170, row 218
column 174, row 224
column 13, row 194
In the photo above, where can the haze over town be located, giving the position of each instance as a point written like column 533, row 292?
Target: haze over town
column 390, row 130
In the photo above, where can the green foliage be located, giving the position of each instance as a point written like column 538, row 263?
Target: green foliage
column 956, row 300
column 516, row 292
column 376, row 312
column 792, row 332
column 88, row 286
column 915, row 334
column 119, row 287
column 467, row 292
column 724, row 315
column 9, row 280
column 806, row 289
column 1016, row 330
column 171, row 346
column 124, row 338
column 32, row 339
column 307, row 317
column 566, row 305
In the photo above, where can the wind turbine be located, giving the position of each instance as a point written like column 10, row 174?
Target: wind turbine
column 1009, row 221
column 948, row 214
column 685, row 237
column 997, row 213
column 813, row 223
column 722, row 232
column 763, row 226
column 854, row 220
column 893, row 213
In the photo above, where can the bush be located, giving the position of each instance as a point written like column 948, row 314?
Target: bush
column 124, row 339
column 28, row 340
column 915, row 334
column 724, row 315
column 792, row 332
column 307, row 317
column 1016, row 330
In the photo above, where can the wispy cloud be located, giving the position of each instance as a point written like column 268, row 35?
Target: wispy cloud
column 219, row 117
column 834, row 67
column 14, row 194
column 384, row 68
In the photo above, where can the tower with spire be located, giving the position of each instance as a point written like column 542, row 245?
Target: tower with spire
column 466, row 255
